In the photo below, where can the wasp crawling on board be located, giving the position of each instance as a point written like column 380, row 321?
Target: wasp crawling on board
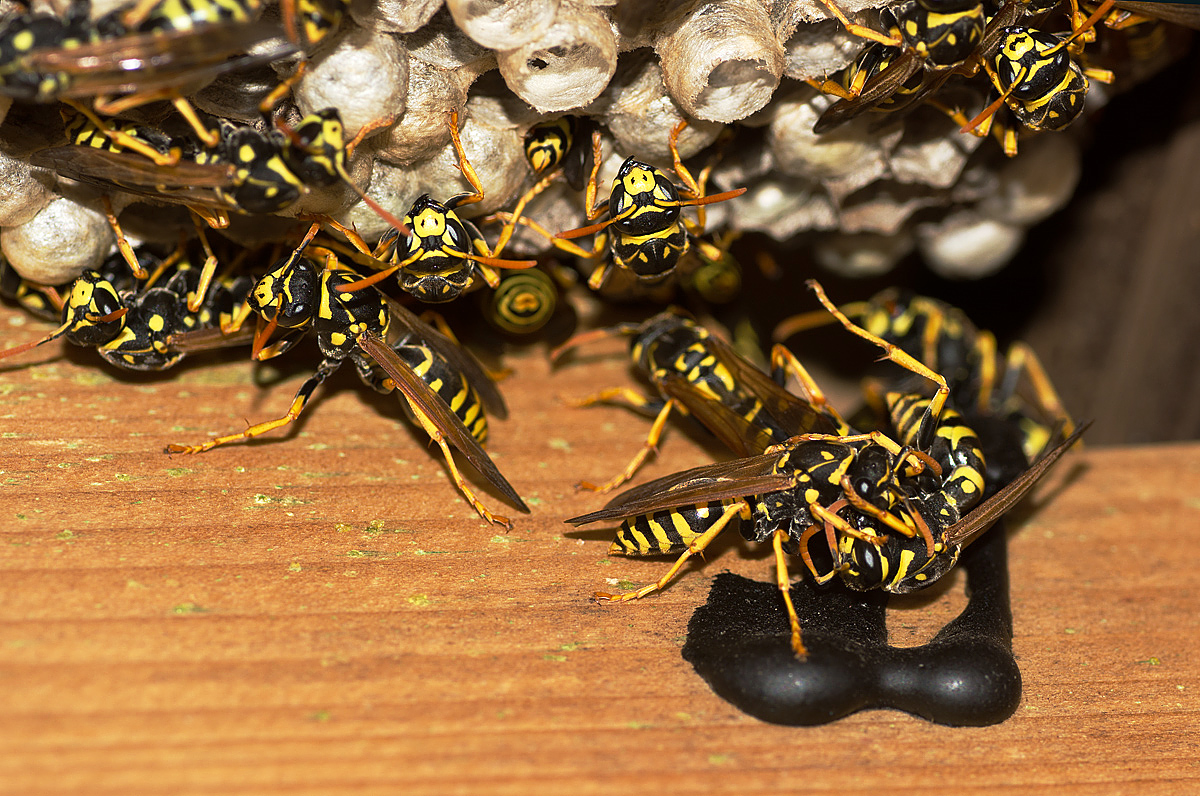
column 146, row 325
column 445, row 391
column 892, row 516
column 692, row 370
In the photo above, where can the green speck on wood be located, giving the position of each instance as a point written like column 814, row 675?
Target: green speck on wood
column 175, row 472
column 552, row 657
column 188, row 608
column 419, row 600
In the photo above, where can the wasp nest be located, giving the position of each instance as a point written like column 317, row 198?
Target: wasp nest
column 868, row 192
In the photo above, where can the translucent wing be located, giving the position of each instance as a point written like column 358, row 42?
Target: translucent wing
column 186, row 182
column 741, row 478
column 140, row 62
column 426, row 401
column 971, row 526
column 456, row 355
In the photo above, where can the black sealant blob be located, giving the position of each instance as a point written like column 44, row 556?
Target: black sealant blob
column 740, row 643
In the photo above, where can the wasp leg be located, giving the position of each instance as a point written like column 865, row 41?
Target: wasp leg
column 697, row 546
column 862, row 31
column 1022, row 359
column 298, row 403
column 464, row 165
column 123, row 242
column 511, row 226
column 783, row 360
column 808, row 534
column 785, row 588
column 196, row 299
column 283, row 89
column 459, row 481
column 904, row 360
column 650, row 446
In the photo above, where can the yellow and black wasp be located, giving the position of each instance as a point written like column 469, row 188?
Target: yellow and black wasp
column 890, row 76
column 444, row 390
column 645, row 231
column 144, row 52
column 249, row 171
column 146, row 325
column 694, row 371
column 435, row 254
column 831, row 485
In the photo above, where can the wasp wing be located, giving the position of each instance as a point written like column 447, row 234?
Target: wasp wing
column 741, row 478
column 875, row 91
column 209, row 339
column 186, row 182
column 1187, row 14
column 426, row 401
column 142, row 62
column 974, row 524
column 789, row 410
column 462, row 360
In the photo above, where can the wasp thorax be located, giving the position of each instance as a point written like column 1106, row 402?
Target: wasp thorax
column 436, row 288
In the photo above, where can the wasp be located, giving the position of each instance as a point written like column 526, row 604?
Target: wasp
column 442, row 253
column 444, row 390
column 693, row 371
column 982, row 381
column 814, row 483
column 888, row 77
column 147, row 326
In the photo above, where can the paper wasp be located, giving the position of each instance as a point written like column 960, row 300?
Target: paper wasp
column 441, row 254
column 981, row 380
column 816, row 484
column 444, row 390
column 693, row 371
column 147, row 326
column 886, row 80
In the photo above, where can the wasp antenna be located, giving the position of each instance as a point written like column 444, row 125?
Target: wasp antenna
column 59, row 332
column 367, row 282
column 714, row 198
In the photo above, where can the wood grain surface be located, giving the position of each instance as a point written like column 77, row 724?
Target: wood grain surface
column 324, row 614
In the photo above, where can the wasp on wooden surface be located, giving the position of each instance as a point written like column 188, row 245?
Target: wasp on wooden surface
column 444, row 390
column 147, row 325
column 815, row 484
column 441, row 254
column 693, row 369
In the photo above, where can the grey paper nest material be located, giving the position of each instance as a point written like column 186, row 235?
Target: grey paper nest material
column 878, row 188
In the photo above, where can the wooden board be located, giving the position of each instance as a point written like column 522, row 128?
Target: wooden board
column 324, row 613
